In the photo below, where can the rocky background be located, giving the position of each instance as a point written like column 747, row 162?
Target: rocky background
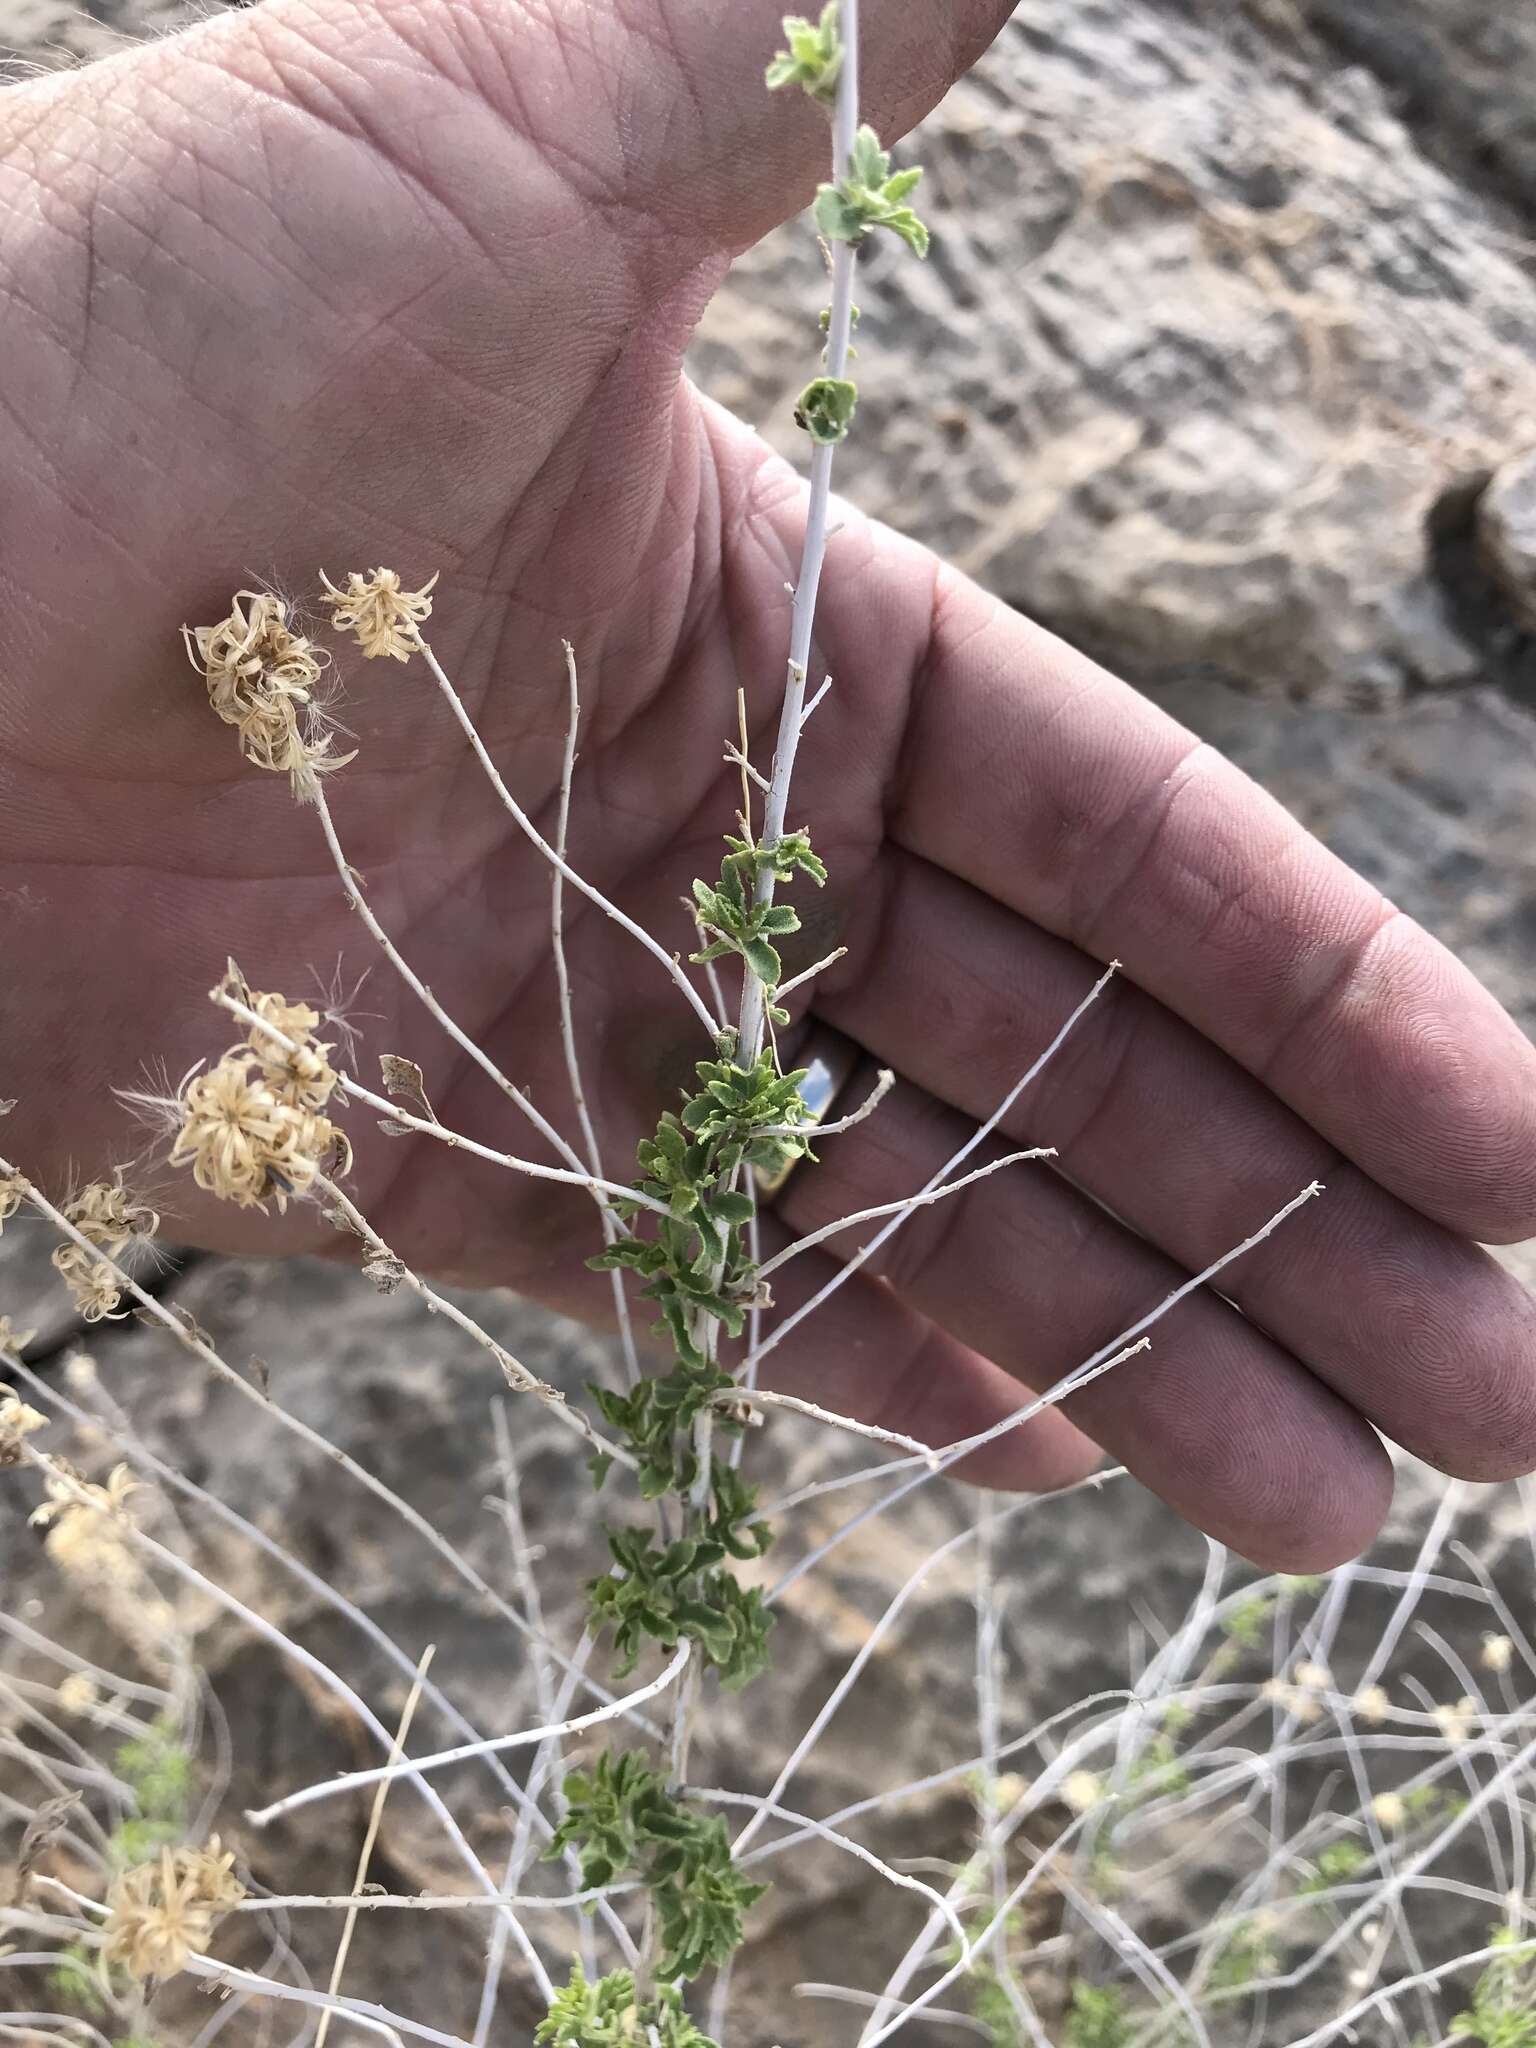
column 1224, row 366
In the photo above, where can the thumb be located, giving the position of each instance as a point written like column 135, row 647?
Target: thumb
column 659, row 107
column 711, row 154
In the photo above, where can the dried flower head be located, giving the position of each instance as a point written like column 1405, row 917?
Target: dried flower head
column 1457, row 1722
column 1314, row 1677
column 161, row 1913
column 1298, row 1701
column 85, row 1524
column 1081, row 1791
column 1372, row 1704
column 17, row 1420
column 302, row 1078
column 14, row 1340
column 108, row 1216
column 1390, row 1808
column 10, row 1197
column 78, row 1694
column 261, row 677
column 1498, row 1653
column 380, row 616
column 245, row 1143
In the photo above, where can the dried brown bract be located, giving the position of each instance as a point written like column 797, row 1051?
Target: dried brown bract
column 261, row 678
column 380, row 616
column 163, row 1912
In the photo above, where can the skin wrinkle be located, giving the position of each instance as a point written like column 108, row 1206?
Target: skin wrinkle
column 535, row 464
column 1323, row 1002
column 1162, row 798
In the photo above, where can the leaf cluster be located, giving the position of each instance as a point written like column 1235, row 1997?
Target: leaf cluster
column 607, row 2014
column 621, row 1818
column 825, row 409
column 694, row 1266
column 814, row 57
column 735, row 911
column 664, row 1592
column 157, row 1769
column 1503, row 2009
column 1097, row 2017
column 870, row 195
column 1335, row 1864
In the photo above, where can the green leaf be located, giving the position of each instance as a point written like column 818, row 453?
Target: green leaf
column 763, row 961
column 814, row 57
column 825, row 409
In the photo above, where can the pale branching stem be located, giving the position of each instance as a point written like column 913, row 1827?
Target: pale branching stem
column 821, row 1832
column 1129, row 1341
column 517, row 1375
column 845, row 121
column 737, row 757
column 179, row 1568
column 365, row 1855
column 902, row 1207
column 594, row 1155
column 989, row 1622
column 553, row 1705
column 978, row 1138
column 427, row 1127
column 375, row 2019
column 937, row 2015
column 105, row 1681
column 192, row 1340
column 322, row 1589
column 983, row 1942
column 760, row 1398
column 531, row 831
column 787, row 988
column 525, row 1738
column 26, row 2026
column 939, row 1462
column 352, row 887
column 1346, row 2023
column 885, row 1081
column 435, row 1902
column 805, row 716
column 845, row 1685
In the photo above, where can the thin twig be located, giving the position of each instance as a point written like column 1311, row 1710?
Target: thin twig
column 365, row 1855
column 531, row 831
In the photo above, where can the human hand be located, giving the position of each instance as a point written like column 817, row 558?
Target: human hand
column 332, row 284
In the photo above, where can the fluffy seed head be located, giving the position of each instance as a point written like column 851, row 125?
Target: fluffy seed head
column 84, row 1523
column 17, row 1420
column 78, row 1694
column 380, row 616
column 108, row 1216
column 261, row 677
column 162, row 1912
column 303, row 1078
column 1456, row 1722
column 1081, row 1791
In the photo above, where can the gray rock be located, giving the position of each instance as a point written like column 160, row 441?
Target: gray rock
column 1506, row 522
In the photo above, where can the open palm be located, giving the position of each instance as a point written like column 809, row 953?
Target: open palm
column 333, row 284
